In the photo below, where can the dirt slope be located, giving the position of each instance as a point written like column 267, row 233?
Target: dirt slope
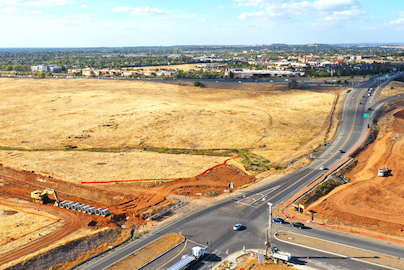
column 372, row 202
column 129, row 203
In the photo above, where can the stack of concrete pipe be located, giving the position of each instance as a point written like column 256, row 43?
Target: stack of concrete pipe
column 84, row 208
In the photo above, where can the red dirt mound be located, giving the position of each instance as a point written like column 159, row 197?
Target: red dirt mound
column 126, row 201
column 369, row 201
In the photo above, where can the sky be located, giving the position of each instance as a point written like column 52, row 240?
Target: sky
column 99, row 23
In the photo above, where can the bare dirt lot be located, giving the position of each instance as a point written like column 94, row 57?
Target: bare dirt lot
column 371, row 202
column 52, row 131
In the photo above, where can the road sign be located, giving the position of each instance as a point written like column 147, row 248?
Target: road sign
column 260, row 258
column 366, row 115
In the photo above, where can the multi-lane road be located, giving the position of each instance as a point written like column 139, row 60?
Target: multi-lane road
column 212, row 227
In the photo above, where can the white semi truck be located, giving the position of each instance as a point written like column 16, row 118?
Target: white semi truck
column 196, row 254
column 280, row 255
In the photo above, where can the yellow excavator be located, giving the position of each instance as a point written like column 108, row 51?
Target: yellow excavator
column 43, row 196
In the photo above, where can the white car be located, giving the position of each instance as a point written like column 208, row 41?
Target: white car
column 237, row 227
column 322, row 168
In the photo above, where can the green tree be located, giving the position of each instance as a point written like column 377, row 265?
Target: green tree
column 198, row 84
column 9, row 68
column 41, row 75
column 293, row 84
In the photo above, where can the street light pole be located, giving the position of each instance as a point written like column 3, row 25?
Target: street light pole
column 269, row 230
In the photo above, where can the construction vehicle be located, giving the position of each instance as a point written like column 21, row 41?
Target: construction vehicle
column 187, row 260
column 384, row 172
column 43, row 196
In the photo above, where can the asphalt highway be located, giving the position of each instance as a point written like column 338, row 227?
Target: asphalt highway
column 212, row 227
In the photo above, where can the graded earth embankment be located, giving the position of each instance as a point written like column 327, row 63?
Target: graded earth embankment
column 372, row 202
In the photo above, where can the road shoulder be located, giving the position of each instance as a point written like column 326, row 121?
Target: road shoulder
column 342, row 250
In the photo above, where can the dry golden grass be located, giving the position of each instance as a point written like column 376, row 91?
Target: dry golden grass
column 100, row 166
column 51, row 114
column 398, row 88
column 148, row 253
column 24, row 227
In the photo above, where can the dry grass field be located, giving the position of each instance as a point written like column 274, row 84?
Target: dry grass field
column 149, row 252
column 19, row 227
column 54, row 114
column 101, row 166
column 398, row 88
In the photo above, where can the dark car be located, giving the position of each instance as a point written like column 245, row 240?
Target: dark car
column 341, row 151
column 278, row 220
column 298, row 225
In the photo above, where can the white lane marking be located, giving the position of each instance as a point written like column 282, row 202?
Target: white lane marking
column 336, row 254
column 250, row 200
column 200, row 244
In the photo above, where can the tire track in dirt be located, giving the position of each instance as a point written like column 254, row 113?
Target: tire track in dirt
column 72, row 224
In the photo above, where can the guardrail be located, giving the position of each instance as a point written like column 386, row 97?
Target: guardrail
column 165, row 211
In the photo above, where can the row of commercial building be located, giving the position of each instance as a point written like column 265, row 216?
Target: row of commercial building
column 114, row 72
column 47, row 68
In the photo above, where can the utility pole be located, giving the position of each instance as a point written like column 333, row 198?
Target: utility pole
column 269, row 230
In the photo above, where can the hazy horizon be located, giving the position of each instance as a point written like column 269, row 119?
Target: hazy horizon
column 94, row 24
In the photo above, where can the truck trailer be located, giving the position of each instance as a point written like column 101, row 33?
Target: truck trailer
column 187, row 260
column 280, row 256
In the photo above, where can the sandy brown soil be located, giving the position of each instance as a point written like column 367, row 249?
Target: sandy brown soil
column 371, row 202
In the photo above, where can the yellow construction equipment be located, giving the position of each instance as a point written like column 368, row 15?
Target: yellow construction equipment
column 43, row 196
